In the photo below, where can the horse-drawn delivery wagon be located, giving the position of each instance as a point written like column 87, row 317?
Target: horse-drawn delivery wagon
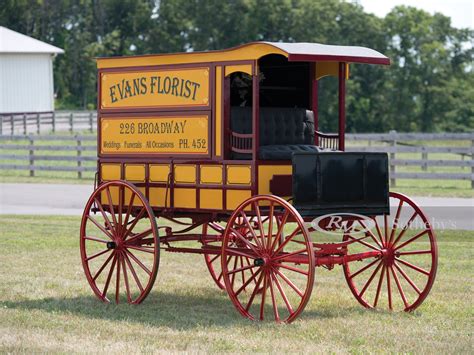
column 225, row 147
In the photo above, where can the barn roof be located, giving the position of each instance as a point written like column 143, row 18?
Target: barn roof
column 307, row 52
column 14, row 42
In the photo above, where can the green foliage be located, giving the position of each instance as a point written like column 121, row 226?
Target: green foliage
column 429, row 86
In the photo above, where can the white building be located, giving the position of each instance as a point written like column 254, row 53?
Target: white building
column 26, row 73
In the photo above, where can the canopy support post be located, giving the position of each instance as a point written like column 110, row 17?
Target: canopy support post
column 342, row 104
column 314, row 101
column 255, row 112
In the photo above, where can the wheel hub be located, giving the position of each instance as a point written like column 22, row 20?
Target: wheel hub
column 111, row 245
column 259, row 262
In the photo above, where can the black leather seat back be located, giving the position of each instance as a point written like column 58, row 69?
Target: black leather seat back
column 278, row 125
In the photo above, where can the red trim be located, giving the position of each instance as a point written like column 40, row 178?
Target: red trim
column 336, row 58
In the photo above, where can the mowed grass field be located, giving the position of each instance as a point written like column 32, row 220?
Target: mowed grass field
column 47, row 305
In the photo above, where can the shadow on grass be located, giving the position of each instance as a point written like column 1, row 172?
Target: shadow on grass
column 178, row 311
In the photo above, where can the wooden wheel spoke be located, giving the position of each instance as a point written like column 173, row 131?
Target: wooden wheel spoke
column 389, row 289
column 235, row 252
column 280, row 229
column 399, row 286
column 369, row 281
column 283, row 294
column 254, row 293
column 244, row 240
column 287, row 240
column 144, row 249
column 139, row 236
column 96, row 239
column 260, row 222
column 295, row 269
column 251, row 278
column 97, row 254
column 233, row 275
column 272, row 295
column 422, row 233
column 363, row 269
column 138, row 262
column 284, row 256
column 134, row 223
column 379, row 232
column 362, row 242
column 117, row 284
column 414, row 267
column 407, row 278
column 405, row 228
column 395, row 221
column 120, row 206
column 414, row 252
column 264, row 294
column 129, row 210
column 104, row 215
column 270, row 225
column 125, row 278
column 240, row 269
column 132, row 270
column 97, row 224
column 370, row 233
column 214, row 258
column 104, row 265
column 109, row 276
column 288, row 281
column 251, row 230
column 111, row 206
column 379, row 286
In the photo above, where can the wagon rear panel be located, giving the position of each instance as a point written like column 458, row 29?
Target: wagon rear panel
column 340, row 182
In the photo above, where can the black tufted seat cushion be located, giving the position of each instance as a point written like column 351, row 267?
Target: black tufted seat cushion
column 283, row 131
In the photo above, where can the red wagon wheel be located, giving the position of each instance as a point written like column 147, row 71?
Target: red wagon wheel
column 268, row 266
column 119, row 243
column 213, row 262
column 407, row 267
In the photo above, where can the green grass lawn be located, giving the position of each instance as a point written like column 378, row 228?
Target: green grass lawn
column 46, row 305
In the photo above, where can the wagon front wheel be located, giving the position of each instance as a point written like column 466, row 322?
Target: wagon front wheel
column 268, row 260
column 119, row 243
column 402, row 276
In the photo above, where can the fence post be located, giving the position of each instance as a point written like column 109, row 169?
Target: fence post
column 1, row 124
column 54, row 122
column 24, row 124
column 424, row 157
column 31, row 156
column 71, row 125
column 79, row 162
column 38, row 123
column 91, row 122
column 12, row 128
column 393, row 144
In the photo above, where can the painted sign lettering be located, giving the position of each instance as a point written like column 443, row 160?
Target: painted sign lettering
column 163, row 88
column 159, row 135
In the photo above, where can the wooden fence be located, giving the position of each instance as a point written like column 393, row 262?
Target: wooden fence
column 18, row 145
column 460, row 162
column 27, row 123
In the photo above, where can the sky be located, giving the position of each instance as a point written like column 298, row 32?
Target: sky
column 460, row 11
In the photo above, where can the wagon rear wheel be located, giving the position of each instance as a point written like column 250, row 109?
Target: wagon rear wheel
column 268, row 264
column 213, row 262
column 119, row 243
column 403, row 276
